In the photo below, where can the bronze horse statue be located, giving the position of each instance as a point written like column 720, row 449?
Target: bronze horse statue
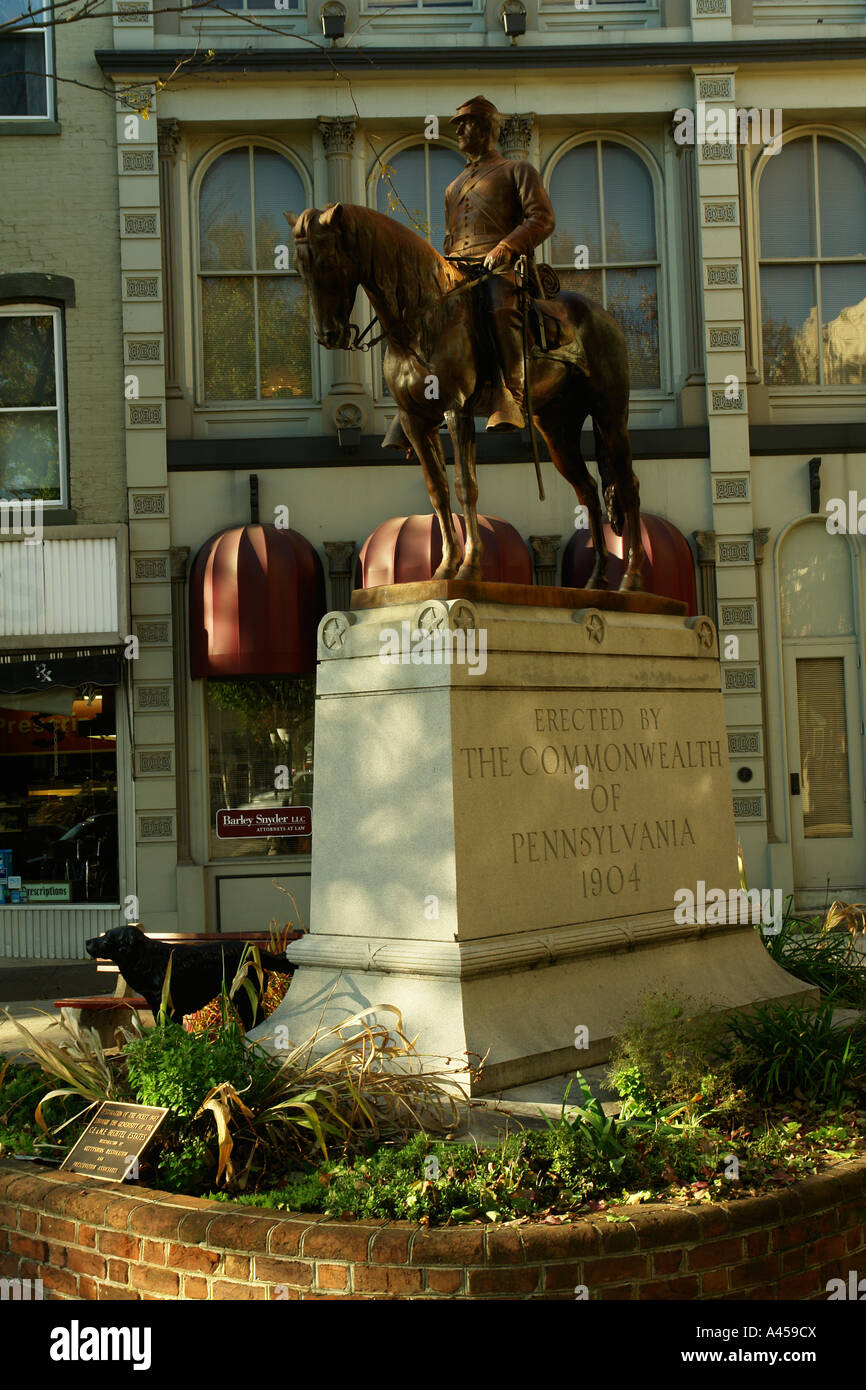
column 434, row 365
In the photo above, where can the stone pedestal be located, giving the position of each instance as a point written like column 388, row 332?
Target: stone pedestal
column 468, row 872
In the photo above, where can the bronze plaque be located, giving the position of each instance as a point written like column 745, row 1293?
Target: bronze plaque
column 115, row 1139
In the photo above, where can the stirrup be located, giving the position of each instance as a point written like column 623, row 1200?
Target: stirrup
column 395, row 438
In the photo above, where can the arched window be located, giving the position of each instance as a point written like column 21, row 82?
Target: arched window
column 413, row 188
column 255, row 317
column 812, row 206
column 603, row 197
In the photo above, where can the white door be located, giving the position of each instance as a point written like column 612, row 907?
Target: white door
column 825, row 771
column 821, row 648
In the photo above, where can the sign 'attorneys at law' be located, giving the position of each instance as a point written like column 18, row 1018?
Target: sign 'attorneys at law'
column 269, row 821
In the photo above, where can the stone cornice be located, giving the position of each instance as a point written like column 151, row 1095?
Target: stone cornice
column 495, row 955
column 527, row 56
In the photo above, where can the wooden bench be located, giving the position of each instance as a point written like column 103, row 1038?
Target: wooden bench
column 102, row 1014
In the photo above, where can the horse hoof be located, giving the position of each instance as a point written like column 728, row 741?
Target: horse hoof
column 597, row 581
column 468, row 572
column 631, row 583
column 445, row 571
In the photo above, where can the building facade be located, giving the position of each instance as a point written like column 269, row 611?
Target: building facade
column 66, row 793
column 731, row 252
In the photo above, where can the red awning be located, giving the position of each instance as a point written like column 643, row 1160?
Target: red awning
column 668, row 570
column 407, row 549
column 256, row 597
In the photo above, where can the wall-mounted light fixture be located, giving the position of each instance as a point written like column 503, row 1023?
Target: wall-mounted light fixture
column 513, row 16
column 333, row 21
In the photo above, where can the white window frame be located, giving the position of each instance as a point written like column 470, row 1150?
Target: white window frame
column 219, row 23
column 48, row 41
column 789, row 12
column 25, row 309
column 298, row 404
column 612, row 14
column 408, row 11
column 598, row 137
column 780, row 392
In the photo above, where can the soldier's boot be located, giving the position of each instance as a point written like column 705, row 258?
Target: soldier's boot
column 509, row 393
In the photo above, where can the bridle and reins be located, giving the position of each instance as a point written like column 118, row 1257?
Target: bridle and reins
column 474, row 278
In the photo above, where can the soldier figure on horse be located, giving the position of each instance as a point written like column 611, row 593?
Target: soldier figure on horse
column 496, row 211
column 439, row 362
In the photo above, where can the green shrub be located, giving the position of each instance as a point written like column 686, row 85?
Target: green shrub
column 21, row 1089
column 821, row 957
column 665, row 1051
column 173, row 1068
column 792, row 1050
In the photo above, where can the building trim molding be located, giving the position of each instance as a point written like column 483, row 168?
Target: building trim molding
column 36, row 287
column 401, row 58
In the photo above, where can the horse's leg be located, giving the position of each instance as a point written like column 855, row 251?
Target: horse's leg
column 424, row 439
column 560, row 424
column 461, row 427
column 617, row 450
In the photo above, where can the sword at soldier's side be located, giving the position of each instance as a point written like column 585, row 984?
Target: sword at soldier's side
column 521, row 273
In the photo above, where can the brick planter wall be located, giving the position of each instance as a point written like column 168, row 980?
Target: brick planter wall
column 88, row 1240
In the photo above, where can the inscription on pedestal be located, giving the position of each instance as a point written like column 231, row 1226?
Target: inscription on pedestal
column 591, row 809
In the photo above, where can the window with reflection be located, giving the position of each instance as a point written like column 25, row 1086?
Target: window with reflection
column 260, row 757
column 25, row 79
column 255, row 317
column 411, row 188
column 812, row 207
column 603, row 197
column 32, row 417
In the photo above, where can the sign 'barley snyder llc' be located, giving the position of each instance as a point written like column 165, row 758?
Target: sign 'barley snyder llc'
column 271, row 821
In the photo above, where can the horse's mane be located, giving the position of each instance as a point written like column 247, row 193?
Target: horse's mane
column 387, row 251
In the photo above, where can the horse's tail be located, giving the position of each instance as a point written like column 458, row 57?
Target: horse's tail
column 615, row 514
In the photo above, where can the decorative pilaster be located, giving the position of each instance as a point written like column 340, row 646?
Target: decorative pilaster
column 168, row 140
column 544, row 551
column 515, row 135
column 179, row 555
column 142, row 276
column 719, row 222
column 761, row 535
column 707, row 598
column 338, row 138
column 340, row 557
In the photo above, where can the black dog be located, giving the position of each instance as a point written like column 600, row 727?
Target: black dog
column 197, row 972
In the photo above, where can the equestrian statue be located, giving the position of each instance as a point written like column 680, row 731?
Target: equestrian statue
column 480, row 330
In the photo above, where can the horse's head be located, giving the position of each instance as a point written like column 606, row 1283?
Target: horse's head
column 326, row 270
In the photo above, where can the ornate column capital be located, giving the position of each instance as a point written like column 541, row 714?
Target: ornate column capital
column 340, row 555
column 168, row 138
column 340, row 571
column 545, row 550
column 761, row 536
column 515, row 135
column 179, row 554
column 706, row 543
column 338, row 134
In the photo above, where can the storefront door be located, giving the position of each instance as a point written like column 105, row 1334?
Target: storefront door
column 823, row 714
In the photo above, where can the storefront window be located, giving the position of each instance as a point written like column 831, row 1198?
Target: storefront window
column 260, row 757
column 58, row 800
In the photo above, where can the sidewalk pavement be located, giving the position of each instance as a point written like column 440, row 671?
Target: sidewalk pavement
column 24, row 978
